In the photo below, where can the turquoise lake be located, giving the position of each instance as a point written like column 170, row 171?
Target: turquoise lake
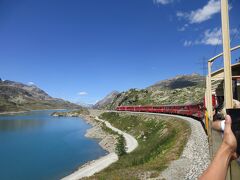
column 37, row 146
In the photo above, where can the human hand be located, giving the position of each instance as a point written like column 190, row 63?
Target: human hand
column 229, row 139
column 224, row 155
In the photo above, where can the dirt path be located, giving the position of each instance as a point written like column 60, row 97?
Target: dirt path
column 95, row 166
column 131, row 142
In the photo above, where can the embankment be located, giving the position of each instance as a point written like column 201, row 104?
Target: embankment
column 97, row 165
column 161, row 140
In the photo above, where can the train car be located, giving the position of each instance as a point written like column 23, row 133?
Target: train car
column 192, row 110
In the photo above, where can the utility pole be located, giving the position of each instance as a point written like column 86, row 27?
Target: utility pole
column 228, row 94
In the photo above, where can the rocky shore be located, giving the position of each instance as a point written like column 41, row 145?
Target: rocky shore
column 98, row 165
column 73, row 113
column 107, row 140
column 12, row 112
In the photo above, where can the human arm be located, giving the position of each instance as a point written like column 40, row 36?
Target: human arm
column 227, row 151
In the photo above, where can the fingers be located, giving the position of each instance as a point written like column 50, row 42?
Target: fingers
column 228, row 123
column 229, row 138
column 234, row 156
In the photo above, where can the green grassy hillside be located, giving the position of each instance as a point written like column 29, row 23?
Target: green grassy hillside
column 161, row 140
column 185, row 89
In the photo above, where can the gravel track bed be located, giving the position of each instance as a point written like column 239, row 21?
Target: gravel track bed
column 195, row 157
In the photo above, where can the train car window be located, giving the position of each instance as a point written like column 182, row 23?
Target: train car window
column 238, row 89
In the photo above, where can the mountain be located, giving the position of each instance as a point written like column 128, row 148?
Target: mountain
column 107, row 100
column 181, row 81
column 86, row 105
column 183, row 89
column 15, row 96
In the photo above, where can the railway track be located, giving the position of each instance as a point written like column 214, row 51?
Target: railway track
column 195, row 157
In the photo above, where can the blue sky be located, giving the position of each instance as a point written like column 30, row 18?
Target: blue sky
column 81, row 50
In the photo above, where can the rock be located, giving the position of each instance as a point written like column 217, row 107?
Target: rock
column 75, row 113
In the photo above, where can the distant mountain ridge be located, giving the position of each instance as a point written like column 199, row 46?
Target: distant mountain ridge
column 15, row 96
column 181, row 81
column 86, row 105
column 106, row 100
column 182, row 89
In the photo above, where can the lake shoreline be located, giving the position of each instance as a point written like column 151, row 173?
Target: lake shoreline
column 55, row 136
column 95, row 166
column 107, row 141
column 12, row 112
column 19, row 112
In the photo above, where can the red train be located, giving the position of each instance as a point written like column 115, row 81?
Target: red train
column 196, row 111
column 193, row 110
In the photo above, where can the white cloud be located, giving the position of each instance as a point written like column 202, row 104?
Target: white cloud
column 183, row 28
column 181, row 14
column 82, row 93
column 211, row 37
column 203, row 14
column 163, row 2
column 31, row 83
column 236, row 33
column 187, row 43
